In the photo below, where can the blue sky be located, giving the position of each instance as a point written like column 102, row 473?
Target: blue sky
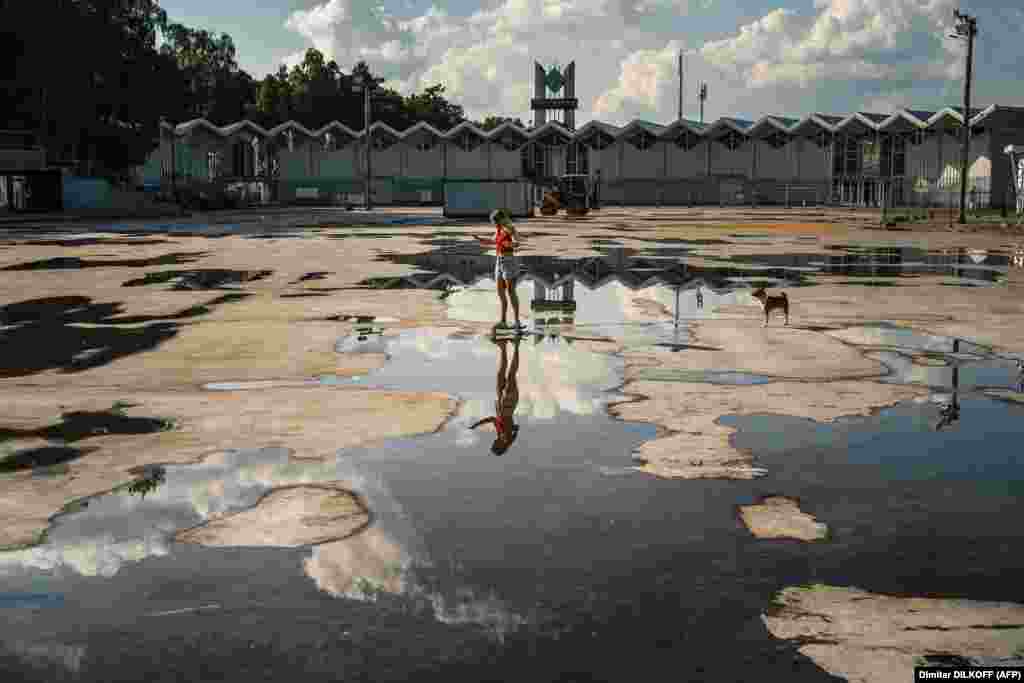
column 784, row 57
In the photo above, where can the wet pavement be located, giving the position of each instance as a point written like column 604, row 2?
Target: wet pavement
column 524, row 537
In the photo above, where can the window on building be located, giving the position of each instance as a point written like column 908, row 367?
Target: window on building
column 382, row 141
column 534, row 160
column 467, row 141
column 509, row 143
column 642, row 140
column 777, row 140
column 213, row 164
column 823, row 139
column 871, row 156
column 687, row 140
column 851, row 157
column 426, row 143
column 732, row 140
column 599, row 140
column 576, row 158
column 899, row 155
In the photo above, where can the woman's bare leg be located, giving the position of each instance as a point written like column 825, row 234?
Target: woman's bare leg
column 513, row 385
column 502, row 285
column 514, row 298
column 502, row 366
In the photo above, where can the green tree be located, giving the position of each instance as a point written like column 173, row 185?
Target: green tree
column 101, row 102
column 492, row 122
column 432, row 107
column 216, row 88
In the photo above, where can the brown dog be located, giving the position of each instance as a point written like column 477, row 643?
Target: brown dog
column 770, row 303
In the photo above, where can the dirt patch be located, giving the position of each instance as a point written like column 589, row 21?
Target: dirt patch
column 286, row 517
column 698, row 447
column 864, row 637
column 779, row 517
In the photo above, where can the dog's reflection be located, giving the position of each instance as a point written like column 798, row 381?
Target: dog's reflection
column 950, row 412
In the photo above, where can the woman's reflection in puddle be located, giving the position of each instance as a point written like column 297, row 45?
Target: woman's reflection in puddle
column 507, row 398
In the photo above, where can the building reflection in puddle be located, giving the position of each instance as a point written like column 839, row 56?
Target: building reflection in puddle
column 601, row 294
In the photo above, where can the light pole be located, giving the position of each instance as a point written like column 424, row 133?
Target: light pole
column 366, row 85
column 174, row 184
column 966, row 28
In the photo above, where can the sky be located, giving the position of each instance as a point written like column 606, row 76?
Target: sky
column 783, row 57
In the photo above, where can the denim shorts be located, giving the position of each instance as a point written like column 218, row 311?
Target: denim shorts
column 506, row 267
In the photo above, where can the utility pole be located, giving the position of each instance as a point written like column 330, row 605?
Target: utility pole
column 174, row 184
column 680, row 85
column 966, row 28
column 366, row 87
column 703, row 95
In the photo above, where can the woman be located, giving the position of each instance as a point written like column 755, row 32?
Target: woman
column 506, row 267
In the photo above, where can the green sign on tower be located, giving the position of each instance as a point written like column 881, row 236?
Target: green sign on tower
column 553, row 80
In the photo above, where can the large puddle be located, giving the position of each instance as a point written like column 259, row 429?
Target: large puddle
column 517, row 542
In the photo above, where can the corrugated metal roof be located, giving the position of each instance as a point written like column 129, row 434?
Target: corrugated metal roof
column 920, row 114
column 830, row 118
column 877, row 118
column 739, row 123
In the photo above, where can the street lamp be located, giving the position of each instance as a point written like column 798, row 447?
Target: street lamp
column 966, row 29
column 366, row 86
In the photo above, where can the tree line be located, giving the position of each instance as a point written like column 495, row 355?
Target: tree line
column 92, row 79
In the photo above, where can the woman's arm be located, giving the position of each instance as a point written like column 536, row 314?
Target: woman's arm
column 483, row 421
column 516, row 238
column 483, row 240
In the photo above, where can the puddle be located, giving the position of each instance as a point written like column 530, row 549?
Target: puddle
column 882, row 335
column 980, row 448
column 890, row 262
column 74, row 263
column 644, row 300
column 464, row 547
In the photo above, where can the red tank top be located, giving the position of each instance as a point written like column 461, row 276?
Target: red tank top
column 502, row 240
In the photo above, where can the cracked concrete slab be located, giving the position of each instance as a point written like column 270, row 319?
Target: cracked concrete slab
column 697, row 447
column 781, row 517
column 870, row 638
column 300, row 515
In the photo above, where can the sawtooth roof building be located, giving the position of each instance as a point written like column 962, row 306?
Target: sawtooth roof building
column 861, row 159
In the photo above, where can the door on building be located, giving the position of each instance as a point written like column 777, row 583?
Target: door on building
column 870, row 198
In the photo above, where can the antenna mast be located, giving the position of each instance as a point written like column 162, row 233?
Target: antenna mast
column 680, row 85
column 703, row 95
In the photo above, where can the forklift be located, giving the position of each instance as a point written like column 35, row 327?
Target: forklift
column 572, row 192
